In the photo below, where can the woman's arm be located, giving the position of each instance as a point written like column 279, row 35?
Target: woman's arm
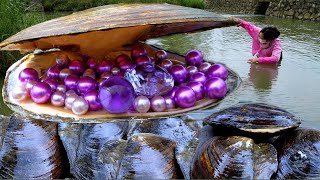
column 252, row 30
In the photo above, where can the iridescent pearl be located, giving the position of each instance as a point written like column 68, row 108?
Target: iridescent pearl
column 115, row 70
column 30, row 84
column 170, row 104
column 69, row 100
column 80, row 106
column 62, row 88
column 69, row 92
column 141, row 104
column 204, row 67
column 58, row 98
column 64, row 73
column 19, row 93
column 192, row 70
column 158, row 104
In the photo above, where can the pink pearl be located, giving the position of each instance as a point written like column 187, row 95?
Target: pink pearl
column 158, row 104
column 170, row 102
column 141, row 104
column 80, row 106
column 20, row 93
column 58, row 98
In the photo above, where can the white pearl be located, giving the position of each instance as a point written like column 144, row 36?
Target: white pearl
column 19, row 93
column 80, row 106
column 141, row 104
column 58, row 98
column 69, row 100
column 61, row 88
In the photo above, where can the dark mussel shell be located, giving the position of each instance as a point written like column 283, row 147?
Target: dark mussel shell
column 299, row 154
column 149, row 156
column 183, row 132
column 30, row 150
column 234, row 157
column 254, row 119
column 94, row 150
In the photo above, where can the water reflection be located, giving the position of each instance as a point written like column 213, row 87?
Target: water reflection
column 263, row 75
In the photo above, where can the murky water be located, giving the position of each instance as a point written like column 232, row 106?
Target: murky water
column 294, row 85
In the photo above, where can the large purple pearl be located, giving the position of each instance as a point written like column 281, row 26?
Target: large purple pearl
column 185, row 97
column 158, row 104
column 86, row 84
column 172, row 92
column 198, row 89
column 198, row 77
column 53, row 72
column 204, row 67
column 92, row 97
column 28, row 74
column 40, row 93
column 217, row 70
column 215, row 88
column 194, row 58
column 141, row 104
column 71, row 81
column 170, row 102
column 179, row 73
column 116, row 95
column 77, row 67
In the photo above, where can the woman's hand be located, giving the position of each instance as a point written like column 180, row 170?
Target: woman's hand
column 253, row 60
column 235, row 19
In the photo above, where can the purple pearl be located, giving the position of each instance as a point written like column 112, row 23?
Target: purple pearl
column 106, row 75
column 53, row 72
column 91, row 63
column 28, row 74
column 104, row 66
column 194, row 58
column 179, row 73
column 71, row 81
column 166, row 63
column 170, row 102
column 198, row 77
column 204, row 67
column 40, row 93
column 198, row 89
column 215, row 88
column 173, row 91
column 192, row 70
column 158, row 104
column 217, row 70
column 185, row 97
column 142, row 60
column 161, row 55
column 92, row 97
column 86, row 84
column 115, row 71
column 53, row 83
column 141, row 104
column 77, row 67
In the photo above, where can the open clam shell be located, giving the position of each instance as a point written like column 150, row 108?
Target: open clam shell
column 299, row 154
column 104, row 32
column 30, row 150
column 254, row 119
column 234, row 157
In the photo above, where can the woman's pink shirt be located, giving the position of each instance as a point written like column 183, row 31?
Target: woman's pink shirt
column 270, row 55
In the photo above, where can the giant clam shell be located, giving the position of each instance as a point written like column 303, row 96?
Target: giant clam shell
column 299, row 154
column 30, row 150
column 94, row 150
column 149, row 156
column 257, row 118
column 234, row 157
column 183, row 132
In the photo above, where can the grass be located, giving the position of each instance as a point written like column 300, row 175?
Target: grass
column 14, row 18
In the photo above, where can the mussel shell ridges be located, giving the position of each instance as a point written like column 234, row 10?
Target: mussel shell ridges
column 149, row 156
column 299, row 154
column 234, row 157
column 30, row 150
column 254, row 119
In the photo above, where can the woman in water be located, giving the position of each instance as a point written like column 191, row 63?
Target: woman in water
column 266, row 46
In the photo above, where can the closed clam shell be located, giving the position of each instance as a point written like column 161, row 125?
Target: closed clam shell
column 94, row 150
column 149, row 156
column 184, row 132
column 234, row 157
column 299, row 154
column 254, row 119
column 30, row 150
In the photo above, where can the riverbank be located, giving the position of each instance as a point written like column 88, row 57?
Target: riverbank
column 292, row 9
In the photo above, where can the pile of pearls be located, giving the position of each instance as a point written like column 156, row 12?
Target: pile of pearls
column 80, row 85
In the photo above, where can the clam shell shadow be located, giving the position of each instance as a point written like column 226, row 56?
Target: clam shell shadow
column 30, row 149
column 299, row 154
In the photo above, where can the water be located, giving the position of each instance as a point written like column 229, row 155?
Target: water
column 292, row 86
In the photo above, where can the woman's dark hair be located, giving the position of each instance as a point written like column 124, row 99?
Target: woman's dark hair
column 270, row 33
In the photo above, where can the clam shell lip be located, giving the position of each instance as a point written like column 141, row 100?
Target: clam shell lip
column 254, row 118
column 120, row 16
column 49, row 112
